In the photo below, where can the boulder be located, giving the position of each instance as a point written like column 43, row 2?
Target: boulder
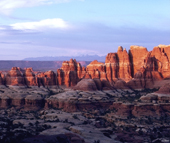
column 86, row 85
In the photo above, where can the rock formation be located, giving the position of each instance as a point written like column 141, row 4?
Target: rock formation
column 137, row 57
column 165, row 89
column 30, row 77
column 1, row 79
column 124, row 71
column 15, row 77
column 50, row 78
column 87, row 85
column 97, row 70
column 70, row 69
column 136, row 69
column 105, row 93
column 111, row 66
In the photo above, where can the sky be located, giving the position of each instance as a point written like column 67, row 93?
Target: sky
column 37, row 28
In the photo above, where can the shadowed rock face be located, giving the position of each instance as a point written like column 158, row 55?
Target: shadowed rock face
column 137, row 69
column 1, row 79
column 50, row 78
column 86, row 84
column 165, row 89
column 111, row 66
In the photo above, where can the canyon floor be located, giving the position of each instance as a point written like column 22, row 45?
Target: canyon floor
column 63, row 115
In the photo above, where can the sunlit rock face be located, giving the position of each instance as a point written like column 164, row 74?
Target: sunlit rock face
column 137, row 55
column 124, row 71
column 97, row 70
column 70, row 75
column 138, row 68
column 30, row 78
column 50, row 78
column 15, row 77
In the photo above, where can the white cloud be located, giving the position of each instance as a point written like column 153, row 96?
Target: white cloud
column 6, row 6
column 41, row 25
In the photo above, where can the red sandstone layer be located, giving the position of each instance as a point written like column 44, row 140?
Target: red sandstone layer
column 135, row 69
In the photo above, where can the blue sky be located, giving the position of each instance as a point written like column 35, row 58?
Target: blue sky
column 36, row 28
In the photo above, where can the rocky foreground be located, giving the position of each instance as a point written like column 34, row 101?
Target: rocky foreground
column 64, row 115
column 125, row 99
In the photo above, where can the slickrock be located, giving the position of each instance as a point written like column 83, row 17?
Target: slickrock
column 87, row 85
column 149, row 98
column 160, row 96
column 5, row 101
column 71, row 101
column 34, row 102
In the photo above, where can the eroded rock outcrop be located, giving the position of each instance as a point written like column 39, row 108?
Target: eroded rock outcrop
column 111, row 66
column 97, row 70
column 136, row 69
column 30, row 78
column 50, row 78
column 69, row 69
column 137, row 57
column 124, row 71
column 15, row 77
column 2, row 79
column 87, row 85
column 165, row 89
